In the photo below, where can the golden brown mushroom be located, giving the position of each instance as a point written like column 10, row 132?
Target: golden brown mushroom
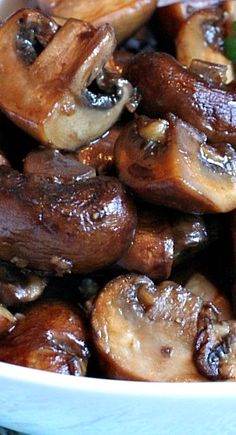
column 143, row 332
column 170, row 163
column 126, row 16
column 201, row 37
column 49, row 336
column 45, row 72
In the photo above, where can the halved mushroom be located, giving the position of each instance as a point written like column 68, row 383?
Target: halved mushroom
column 100, row 153
column 54, row 166
column 172, row 16
column 145, row 332
column 45, row 73
column 77, row 227
column 167, row 86
column 171, row 163
column 215, row 350
column 201, row 37
column 126, row 16
column 7, row 321
column 199, row 285
column 152, row 250
column 49, row 336
column 19, row 286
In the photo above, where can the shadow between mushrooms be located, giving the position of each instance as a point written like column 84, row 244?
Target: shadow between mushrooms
column 45, row 72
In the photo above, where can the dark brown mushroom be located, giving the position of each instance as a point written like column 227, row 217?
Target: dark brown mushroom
column 53, row 166
column 126, row 16
column 201, row 37
column 170, row 163
column 215, row 350
column 167, row 86
column 152, row 250
column 77, row 227
column 49, row 336
column 45, row 75
column 143, row 332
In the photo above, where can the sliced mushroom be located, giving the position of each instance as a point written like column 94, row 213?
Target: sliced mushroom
column 167, row 86
column 56, row 227
column 201, row 37
column 171, row 164
column 143, row 332
column 53, row 166
column 45, row 73
column 215, row 350
column 50, row 336
column 100, row 153
column 172, row 16
column 200, row 286
column 152, row 249
column 126, row 16
column 7, row 321
column 19, row 286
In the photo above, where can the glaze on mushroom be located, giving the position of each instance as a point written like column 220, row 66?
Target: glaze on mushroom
column 54, row 166
column 170, row 163
column 49, row 336
column 78, row 227
column 201, row 37
column 7, row 321
column 125, row 16
column 45, row 87
column 143, row 332
column 167, row 86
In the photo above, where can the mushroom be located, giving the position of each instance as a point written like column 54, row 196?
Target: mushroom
column 19, row 286
column 49, row 336
column 77, row 227
column 170, row 163
column 152, row 250
column 52, row 165
column 167, row 86
column 201, row 37
column 45, row 73
column 200, row 286
column 172, row 16
column 215, row 349
column 143, row 332
column 100, row 153
column 126, row 16
column 7, row 321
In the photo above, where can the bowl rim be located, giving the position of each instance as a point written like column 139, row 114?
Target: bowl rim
column 39, row 378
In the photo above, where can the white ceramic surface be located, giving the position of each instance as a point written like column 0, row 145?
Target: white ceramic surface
column 40, row 403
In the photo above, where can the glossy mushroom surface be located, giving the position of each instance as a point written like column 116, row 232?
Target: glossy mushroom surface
column 170, row 163
column 49, row 336
column 45, row 76
column 167, row 86
column 125, row 16
column 77, row 227
column 143, row 332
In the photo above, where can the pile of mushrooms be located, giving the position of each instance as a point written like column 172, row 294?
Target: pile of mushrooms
column 118, row 190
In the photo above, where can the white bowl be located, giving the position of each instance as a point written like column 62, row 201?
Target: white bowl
column 41, row 403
